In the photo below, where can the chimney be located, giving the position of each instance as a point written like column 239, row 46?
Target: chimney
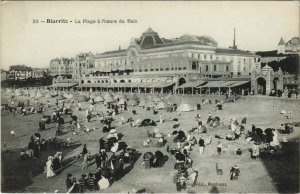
column 234, row 46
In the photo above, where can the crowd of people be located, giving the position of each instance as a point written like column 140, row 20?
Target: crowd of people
column 115, row 158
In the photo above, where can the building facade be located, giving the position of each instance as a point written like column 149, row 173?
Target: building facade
column 19, row 72
column 152, row 63
column 84, row 64
column 188, row 56
column 290, row 47
column 61, row 66
column 39, row 72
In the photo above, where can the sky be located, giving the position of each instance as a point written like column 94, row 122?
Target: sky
column 259, row 26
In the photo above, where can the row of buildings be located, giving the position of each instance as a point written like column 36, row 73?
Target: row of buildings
column 168, row 64
column 152, row 63
column 23, row 72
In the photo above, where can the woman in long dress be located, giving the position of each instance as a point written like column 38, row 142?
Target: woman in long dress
column 50, row 172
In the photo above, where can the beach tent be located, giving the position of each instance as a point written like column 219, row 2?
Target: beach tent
column 157, row 99
column 93, row 95
column 18, row 92
column 109, row 99
column 9, row 91
column 134, row 97
column 122, row 96
column 32, row 94
column 161, row 105
column 99, row 99
column 59, row 97
column 81, row 98
column 39, row 95
column 48, row 95
column 107, row 95
column 185, row 107
column 150, row 103
column 142, row 102
column 132, row 102
column 122, row 101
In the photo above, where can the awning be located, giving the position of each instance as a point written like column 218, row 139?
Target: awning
column 227, row 84
column 239, row 83
column 128, row 85
column 192, row 84
column 212, row 84
column 64, row 85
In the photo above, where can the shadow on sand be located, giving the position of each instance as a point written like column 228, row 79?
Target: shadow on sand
column 17, row 174
column 283, row 167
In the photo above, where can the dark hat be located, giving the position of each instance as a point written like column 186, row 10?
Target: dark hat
column 69, row 175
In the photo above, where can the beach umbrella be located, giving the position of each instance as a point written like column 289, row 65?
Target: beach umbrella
column 134, row 97
column 48, row 95
column 122, row 96
column 99, row 99
column 122, row 101
column 185, row 107
column 18, row 92
column 103, row 183
column 70, row 96
column 161, row 105
column 150, row 103
column 157, row 99
column 93, row 96
column 32, row 94
column 142, row 102
column 132, row 102
column 59, row 97
column 39, row 95
column 81, row 98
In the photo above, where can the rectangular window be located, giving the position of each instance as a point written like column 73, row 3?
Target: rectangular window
column 172, row 68
column 194, row 66
column 184, row 68
column 179, row 68
column 167, row 69
column 215, row 67
column 161, row 69
column 206, row 67
column 156, row 69
column 227, row 68
column 146, row 70
column 151, row 69
column 140, row 70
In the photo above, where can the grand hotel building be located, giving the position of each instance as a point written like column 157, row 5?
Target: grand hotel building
column 152, row 62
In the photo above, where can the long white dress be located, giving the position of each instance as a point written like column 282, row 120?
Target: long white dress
column 275, row 138
column 50, row 172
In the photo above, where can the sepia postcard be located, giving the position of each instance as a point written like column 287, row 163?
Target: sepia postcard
column 150, row 96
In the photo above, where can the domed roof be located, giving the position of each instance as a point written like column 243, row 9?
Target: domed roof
column 150, row 38
column 205, row 40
